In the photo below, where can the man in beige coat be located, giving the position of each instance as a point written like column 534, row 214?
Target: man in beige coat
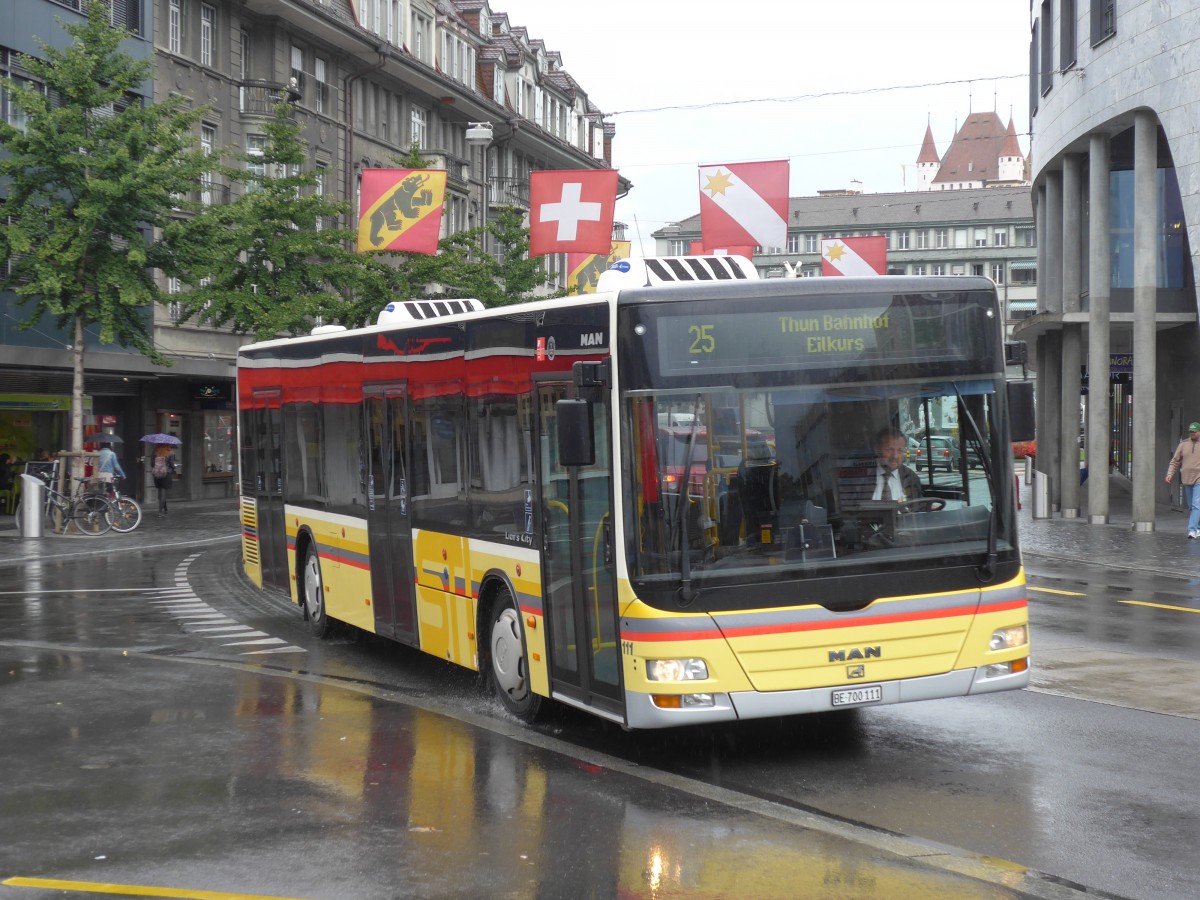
column 1186, row 462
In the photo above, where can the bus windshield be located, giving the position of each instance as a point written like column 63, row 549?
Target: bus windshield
column 764, row 458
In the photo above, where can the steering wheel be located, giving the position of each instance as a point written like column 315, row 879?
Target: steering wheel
column 922, row 504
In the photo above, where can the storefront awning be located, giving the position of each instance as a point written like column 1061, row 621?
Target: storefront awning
column 1022, row 306
column 1022, row 265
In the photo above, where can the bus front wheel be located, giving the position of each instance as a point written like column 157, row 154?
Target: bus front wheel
column 510, row 660
column 314, row 594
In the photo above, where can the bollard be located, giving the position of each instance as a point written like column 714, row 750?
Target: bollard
column 33, row 500
column 1028, row 469
column 1041, row 495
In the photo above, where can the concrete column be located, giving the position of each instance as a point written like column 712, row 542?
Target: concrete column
column 1072, row 286
column 1099, row 430
column 1145, row 304
column 1050, row 295
column 1049, row 444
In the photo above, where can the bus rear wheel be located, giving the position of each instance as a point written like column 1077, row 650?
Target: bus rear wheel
column 314, row 594
column 510, row 659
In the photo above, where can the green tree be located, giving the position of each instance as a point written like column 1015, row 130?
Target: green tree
column 87, row 177
column 273, row 260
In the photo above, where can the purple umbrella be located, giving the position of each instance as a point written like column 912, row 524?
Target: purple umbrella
column 159, row 438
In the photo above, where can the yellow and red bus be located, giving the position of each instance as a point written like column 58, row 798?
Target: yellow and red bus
column 654, row 503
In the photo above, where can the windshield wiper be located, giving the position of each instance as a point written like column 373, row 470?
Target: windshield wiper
column 987, row 569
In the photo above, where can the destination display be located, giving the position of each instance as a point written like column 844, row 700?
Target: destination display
column 756, row 340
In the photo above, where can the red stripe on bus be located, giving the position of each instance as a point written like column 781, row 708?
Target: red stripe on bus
column 762, row 630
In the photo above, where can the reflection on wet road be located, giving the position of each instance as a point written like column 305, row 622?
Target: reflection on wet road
column 144, row 748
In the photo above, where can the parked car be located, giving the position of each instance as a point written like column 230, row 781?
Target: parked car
column 943, row 449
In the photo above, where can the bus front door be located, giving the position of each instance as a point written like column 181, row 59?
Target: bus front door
column 389, row 534
column 578, row 564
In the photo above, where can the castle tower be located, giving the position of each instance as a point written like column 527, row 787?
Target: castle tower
column 1012, row 161
column 928, row 162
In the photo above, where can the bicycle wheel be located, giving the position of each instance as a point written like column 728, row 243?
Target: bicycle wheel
column 124, row 515
column 91, row 515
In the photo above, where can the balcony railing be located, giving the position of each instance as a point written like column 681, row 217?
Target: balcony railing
column 258, row 98
column 509, row 192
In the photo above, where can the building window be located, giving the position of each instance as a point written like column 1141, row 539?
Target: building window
column 256, row 147
column 175, row 26
column 793, row 242
column 977, row 269
column 1026, row 237
column 901, row 240
column 175, row 307
column 1047, row 58
column 418, row 129
column 1104, row 20
column 1000, row 238
column 812, row 243
column 941, row 238
column 922, row 239
column 297, row 70
column 208, row 146
column 208, row 27
column 980, row 237
column 1066, row 33
column 320, row 76
column 998, row 273
column 937, row 269
column 1024, row 277
column 918, row 269
column 420, row 37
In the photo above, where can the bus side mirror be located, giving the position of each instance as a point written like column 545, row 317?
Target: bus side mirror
column 1020, row 410
column 576, row 438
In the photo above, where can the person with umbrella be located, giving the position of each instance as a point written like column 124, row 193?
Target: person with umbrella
column 162, row 467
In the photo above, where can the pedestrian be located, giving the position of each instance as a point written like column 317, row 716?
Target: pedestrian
column 162, row 470
column 108, row 467
column 1186, row 462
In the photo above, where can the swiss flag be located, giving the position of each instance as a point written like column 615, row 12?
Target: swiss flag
column 572, row 211
column 854, row 256
column 744, row 203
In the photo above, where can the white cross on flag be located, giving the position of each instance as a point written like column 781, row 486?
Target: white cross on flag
column 744, row 204
column 572, row 211
column 854, row 256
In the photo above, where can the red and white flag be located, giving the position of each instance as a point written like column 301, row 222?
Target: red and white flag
column 744, row 203
column 854, row 256
column 572, row 211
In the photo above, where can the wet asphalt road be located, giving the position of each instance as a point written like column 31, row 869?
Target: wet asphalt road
column 229, row 751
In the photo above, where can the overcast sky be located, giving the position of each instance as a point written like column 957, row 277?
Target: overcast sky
column 845, row 89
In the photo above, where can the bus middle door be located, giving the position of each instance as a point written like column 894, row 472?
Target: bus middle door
column 389, row 534
column 577, row 563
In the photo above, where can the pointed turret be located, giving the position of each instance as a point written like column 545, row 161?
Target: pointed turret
column 928, row 161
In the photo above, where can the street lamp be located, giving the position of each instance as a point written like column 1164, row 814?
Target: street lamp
column 479, row 134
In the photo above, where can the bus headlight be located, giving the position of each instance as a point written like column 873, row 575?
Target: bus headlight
column 676, row 670
column 1008, row 638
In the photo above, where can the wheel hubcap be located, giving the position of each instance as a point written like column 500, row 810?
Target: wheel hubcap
column 508, row 665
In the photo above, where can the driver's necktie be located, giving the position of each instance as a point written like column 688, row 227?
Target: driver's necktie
column 887, row 488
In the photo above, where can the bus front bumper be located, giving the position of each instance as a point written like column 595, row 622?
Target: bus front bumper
column 642, row 713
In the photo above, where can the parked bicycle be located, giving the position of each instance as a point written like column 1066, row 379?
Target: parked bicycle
column 90, row 513
column 126, row 515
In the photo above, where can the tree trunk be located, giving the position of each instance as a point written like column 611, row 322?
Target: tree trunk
column 76, row 443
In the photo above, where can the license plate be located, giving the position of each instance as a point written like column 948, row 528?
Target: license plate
column 853, row 696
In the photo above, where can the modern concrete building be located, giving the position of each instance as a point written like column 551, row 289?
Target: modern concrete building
column 476, row 93
column 1114, row 96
